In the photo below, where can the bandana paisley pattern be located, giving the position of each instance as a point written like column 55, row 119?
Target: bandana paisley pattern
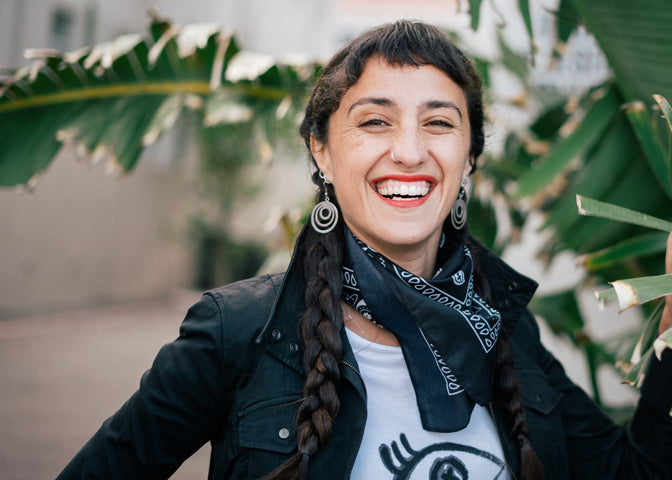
column 442, row 324
column 483, row 319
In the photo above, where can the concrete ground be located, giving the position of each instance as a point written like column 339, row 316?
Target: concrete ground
column 62, row 375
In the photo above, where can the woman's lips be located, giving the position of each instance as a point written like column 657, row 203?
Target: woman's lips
column 404, row 191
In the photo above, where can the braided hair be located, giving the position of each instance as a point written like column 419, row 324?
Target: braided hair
column 506, row 391
column 403, row 43
column 321, row 330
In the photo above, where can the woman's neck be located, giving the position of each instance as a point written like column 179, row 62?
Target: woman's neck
column 419, row 259
column 421, row 263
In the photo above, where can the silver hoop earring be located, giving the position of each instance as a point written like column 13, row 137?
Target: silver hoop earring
column 458, row 214
column 324, row 216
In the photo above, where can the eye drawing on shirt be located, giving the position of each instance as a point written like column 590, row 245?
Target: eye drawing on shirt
column 440, row 461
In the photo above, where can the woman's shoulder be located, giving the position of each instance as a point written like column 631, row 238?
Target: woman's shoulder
column 246, row 300
column 251, row 292
column 236, row 311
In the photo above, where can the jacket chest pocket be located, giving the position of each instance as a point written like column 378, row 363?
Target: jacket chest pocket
column 266, row 434
column 541, row 404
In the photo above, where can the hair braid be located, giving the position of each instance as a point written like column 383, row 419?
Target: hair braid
column 506, row 384
column 321, row 330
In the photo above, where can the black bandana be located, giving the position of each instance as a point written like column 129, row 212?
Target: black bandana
column 446, row 331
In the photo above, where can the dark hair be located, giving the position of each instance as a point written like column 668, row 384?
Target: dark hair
column 403, row 43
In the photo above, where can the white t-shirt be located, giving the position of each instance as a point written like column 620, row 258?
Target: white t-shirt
column 395, row 446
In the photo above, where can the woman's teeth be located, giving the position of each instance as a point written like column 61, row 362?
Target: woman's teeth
column 403, row 190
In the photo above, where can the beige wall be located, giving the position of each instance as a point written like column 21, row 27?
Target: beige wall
column 84, row 238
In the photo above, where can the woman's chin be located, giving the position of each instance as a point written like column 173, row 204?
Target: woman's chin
column 398, row 237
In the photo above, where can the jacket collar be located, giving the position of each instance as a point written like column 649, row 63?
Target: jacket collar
column 281, row 336
column 510, row 291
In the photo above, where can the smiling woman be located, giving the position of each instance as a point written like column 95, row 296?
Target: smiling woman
column 395, row 345
column 397, row 151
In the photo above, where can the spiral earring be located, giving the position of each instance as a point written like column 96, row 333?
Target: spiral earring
column 458, row 214
column 324, row 216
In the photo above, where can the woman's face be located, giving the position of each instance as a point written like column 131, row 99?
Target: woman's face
column 397, row 151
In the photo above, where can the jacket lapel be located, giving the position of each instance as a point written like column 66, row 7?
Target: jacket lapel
column 281, row 336
column 510, row 291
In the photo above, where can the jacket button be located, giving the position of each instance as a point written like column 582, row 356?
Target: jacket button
column 512, row 286
column 276, row 335
column 283, row 433
column 293, row 347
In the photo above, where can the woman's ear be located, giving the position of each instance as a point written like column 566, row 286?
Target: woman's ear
column 468, row 166
column 322, row 157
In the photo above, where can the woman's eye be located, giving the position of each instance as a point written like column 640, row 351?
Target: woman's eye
column 440, row 124
column 375, row 122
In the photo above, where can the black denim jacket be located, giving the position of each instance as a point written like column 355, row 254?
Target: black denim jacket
column 234, row 378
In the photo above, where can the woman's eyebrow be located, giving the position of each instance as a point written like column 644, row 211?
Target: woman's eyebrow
column 384, row 102
column 433, row 104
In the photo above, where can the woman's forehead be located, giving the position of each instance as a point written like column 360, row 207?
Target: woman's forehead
column 389, row 85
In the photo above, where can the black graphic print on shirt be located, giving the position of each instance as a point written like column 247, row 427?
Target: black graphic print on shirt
column 440, row 461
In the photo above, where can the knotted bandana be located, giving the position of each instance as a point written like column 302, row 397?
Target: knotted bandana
column 447, row 332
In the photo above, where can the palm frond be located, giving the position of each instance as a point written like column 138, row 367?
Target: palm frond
column 114, row 99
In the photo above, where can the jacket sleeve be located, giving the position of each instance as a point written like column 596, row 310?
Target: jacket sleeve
column 651, row 427
column 598, row 448
column 173, row 413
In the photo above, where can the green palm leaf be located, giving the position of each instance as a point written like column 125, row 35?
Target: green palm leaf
column 637, row 40
column 635, row 291
column 113, row 99
column 591, row 207
column 642, row 245
column 658, row 155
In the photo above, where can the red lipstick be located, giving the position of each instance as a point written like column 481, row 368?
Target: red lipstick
column 395, row 199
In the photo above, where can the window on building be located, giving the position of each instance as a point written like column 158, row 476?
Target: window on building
column 60, row 35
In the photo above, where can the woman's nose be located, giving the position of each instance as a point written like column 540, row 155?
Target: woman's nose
column 409, row 148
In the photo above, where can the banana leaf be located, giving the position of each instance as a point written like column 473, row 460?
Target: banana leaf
column 607, row 155
column 642, row 350
column 663, row 341
column 635, row 291
column 636, row 38
column 475, row 13
column 589, row 206
column 637, row 371
column 642, row 245
column 587, row 133
column 114, row 99
column 649, row 138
